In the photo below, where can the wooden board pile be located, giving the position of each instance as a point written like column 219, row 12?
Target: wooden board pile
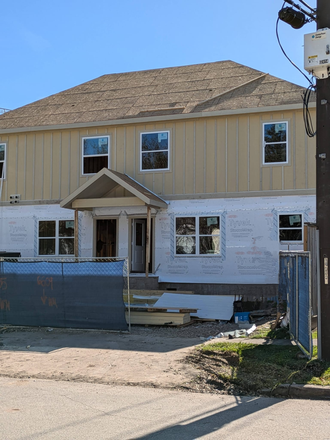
column 143, row 311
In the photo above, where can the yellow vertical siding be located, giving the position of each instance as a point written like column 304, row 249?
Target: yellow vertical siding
column 217, row 155
column 21, row 165
column 190, row 157
column 277, row 178
column 220, row 151
column 266, row 178
column 199, row 163
column 56, row 161
column 177, row 162
column 29, row 167
column 10, row 184
column 42, row 166
column 255, row 156
column 243, row 153
column 65, row 164
column 232, row 155
column 74, row 159
column 210, row 171
column 120, row 148
column 130, row 157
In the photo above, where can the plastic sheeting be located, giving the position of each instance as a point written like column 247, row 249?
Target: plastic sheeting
column 63, row 294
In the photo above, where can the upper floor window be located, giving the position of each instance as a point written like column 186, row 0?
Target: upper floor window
column 56, row 237
column 2, row 160
column 290, row 227
column 197, row 236
column 275, row 143
column 95, row 154
column 155, row 150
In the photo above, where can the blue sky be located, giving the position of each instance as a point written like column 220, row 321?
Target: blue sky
column 47, row 47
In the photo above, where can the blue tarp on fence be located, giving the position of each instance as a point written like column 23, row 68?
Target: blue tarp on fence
column 86, row 294
column 294, row 287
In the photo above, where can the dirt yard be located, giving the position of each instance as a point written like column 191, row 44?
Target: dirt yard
column 148, row 356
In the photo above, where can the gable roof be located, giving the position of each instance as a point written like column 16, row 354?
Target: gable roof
column 223, row 85
column 100, row 187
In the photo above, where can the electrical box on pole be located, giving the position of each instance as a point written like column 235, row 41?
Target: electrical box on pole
column 317, row 53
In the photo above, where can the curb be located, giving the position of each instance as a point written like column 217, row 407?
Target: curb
column 312, row 392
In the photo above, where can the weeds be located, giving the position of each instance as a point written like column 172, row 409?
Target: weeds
column 250, row 367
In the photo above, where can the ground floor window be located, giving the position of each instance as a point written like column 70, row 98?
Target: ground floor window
column 197, row 235
column 56, row 237
column 290, row 227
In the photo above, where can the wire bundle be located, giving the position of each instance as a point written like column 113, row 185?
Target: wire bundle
column 307, row 93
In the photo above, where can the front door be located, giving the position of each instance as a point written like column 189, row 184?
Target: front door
column 106, row 238
column 139, row 245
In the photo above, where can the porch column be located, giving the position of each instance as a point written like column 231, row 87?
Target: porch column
column 76, row 233
column 148, row 240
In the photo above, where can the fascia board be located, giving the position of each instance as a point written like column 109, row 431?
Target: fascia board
column 145, row 120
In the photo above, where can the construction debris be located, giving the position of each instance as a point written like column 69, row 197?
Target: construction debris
column 233, row 334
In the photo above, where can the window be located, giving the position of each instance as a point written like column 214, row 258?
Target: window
column 56, row 237
column 290, row 227
column 197, row 236
column 95, row 154
column 2, row 161
column 155, row 150
column 275, row 141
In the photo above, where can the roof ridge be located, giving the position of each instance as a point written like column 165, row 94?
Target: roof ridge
column 232, row 89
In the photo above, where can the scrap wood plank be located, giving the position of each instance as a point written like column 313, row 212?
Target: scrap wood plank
column 145, row 292
column 166, row 309
column 147, row 296
column 159, row 318
column 145, row 307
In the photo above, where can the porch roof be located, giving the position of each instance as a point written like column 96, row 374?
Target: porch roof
column 97, row 193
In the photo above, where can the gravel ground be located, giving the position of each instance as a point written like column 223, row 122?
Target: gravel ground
column 196, row 330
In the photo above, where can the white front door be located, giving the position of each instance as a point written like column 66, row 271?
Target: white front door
column 139, row 245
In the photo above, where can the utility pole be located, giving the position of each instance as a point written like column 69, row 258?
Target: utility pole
column 323, row 187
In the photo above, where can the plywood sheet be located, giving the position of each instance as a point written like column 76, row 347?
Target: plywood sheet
column 209, row 306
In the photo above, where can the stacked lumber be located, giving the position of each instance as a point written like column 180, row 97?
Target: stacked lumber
column 143, row 311
column 158, row 318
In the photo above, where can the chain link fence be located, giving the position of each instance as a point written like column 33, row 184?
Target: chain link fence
column 64, row 292
column 295, row 289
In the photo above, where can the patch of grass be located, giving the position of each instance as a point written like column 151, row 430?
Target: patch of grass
column 265, row 332
column 314, row 335
column 250, row 367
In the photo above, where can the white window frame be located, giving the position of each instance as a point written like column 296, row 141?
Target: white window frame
column 98, row 136
column 293, row 228
column 155, row 170
column 264, row 143
column 3, row 161
column 56, row 237
column 197, row 235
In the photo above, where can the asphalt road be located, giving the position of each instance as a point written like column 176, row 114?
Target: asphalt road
column 43, row 409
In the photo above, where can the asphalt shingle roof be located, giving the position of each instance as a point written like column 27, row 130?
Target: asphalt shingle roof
column 223, row 85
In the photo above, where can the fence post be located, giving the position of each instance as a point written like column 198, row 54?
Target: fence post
column 128, row 296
